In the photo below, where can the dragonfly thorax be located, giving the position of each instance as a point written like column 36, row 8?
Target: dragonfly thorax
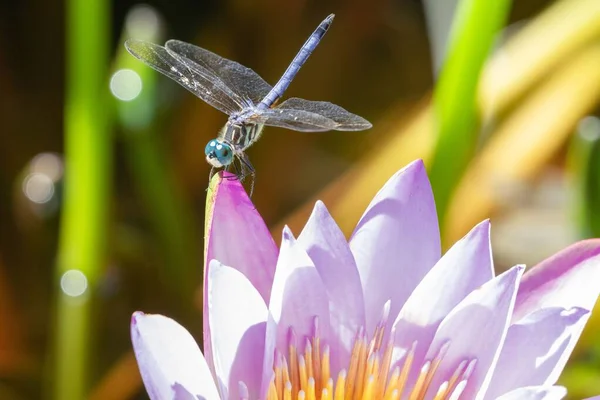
column 239, row 136
column 218, row 153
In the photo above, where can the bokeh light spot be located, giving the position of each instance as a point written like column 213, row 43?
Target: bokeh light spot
column 589, row 128
column 49, row 164
column 143, row 21
column 126, row 84
column 73, row 283
column 38, row 188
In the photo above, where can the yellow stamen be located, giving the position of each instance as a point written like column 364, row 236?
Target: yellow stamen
column 329, row 387
column 369, row 389
column 392, row 383
column 325, row 372
column 279, row 376
column 340, row 386
column 320, row 382
column 360, row 375
column 418, row 390
column 287, row 394
column 311, row 394
column 308, row 357
column 456, row 376
column 434, row 366
column 395, row 395
column 303, row 373
column 353, row 368
column 294, row 363
column 372, row 374
column 441, row 393
column 272, row 394
column 406, row 368
column 385, row 367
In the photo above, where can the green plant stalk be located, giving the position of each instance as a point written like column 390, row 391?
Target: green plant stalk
column 583, row 163
column 83, row 234
column 167, row 210
column 474, row 29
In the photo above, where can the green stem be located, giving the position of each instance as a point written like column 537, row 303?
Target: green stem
column 167, row 210
column 475, row 27
column 584, row 168
column 86, row 195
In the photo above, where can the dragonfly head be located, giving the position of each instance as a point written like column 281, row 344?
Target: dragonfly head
column 218, row 154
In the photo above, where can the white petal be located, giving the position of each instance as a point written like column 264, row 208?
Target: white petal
column 237, row 317
column 169, row 359
column 535, row 393
column 396, row 242
column 476, row 329
column 536, row 349
column 298, row 295
column 464, row 268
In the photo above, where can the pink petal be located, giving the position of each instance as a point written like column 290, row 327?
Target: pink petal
column 464, row 268
column 567, row 279
column 536, row 393
column 298, row 295
column 237, row 236
column 327, row 247
column 237, row 316
column 476, row 329
column 536, row 349
column 397, row 241
column 169, row 359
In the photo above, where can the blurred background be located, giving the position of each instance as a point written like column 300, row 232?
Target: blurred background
column 515, row 88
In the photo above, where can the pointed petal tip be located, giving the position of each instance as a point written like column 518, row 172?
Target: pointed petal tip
column 576, row 312
column 287, row 234
column 481, row 229
column 485, row 224
column 136, row 316
column 320, row 207
column 319, row 213
column 519, row 268
column 227, row 180
column 417, row 164
column 416, row 167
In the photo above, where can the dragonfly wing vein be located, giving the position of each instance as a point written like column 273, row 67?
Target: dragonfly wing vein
column 296, row 120
column 344, row 120
column 242, row 80
column 199, row 80
column 311, row 116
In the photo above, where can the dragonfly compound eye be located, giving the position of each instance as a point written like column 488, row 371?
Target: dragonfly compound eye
column 218, row 154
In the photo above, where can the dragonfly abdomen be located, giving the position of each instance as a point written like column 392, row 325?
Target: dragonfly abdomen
column 296, row 64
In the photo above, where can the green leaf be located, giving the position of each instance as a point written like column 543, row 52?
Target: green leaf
column 476, row 25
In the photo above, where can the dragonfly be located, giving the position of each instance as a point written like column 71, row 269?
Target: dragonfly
column 249, row 101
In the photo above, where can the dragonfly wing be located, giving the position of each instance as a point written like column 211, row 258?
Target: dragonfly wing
column 199, row 80
column 240, row 79
column 296, row 120
column 346, row 121
column 312, row 116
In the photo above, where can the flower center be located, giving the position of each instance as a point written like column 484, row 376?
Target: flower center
column 306, row 375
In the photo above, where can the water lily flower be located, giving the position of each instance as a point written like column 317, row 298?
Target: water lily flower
column 383, row 315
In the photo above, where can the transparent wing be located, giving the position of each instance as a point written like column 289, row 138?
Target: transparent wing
column 242, row 80
column 199, row 80
column 311, row 116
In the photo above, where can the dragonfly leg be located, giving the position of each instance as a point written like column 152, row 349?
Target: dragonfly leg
column 237, row 172
column 211, row 174
column 248, row 170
